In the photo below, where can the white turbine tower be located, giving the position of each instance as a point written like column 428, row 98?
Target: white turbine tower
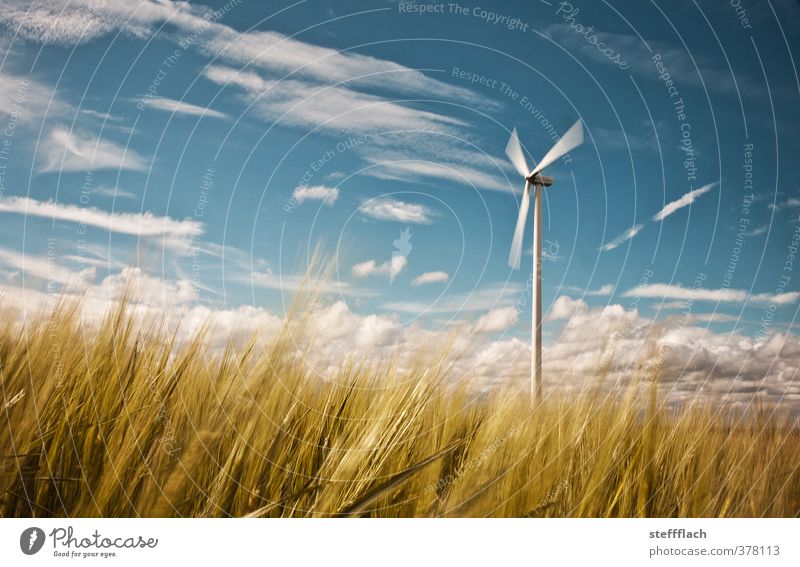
column 534, row 178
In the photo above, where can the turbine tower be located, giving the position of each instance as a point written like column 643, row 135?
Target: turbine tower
column 535, row 181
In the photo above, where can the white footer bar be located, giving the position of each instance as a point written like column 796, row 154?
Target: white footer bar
column 483, row 542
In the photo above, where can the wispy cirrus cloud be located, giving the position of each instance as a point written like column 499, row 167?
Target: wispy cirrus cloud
column 291, row 283
column 790, row 203
column 69, row 23
column 114, row 192
column 45, row 268
column 385, row 209
column 622, row 238
column 183, row 107
column 667, row 210
column 63, row 150
column 726, row 295
column 757, row 231
column 175, row 232
column 684, row 201
column 404, row 167
column 487, row 298
column 603, row 290
column 330, row 109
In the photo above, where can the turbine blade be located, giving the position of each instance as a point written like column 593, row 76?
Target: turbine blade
column 519, row 232
column 516, row 155
column 569, row 141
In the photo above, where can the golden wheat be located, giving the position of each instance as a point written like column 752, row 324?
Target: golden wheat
column 121, row 420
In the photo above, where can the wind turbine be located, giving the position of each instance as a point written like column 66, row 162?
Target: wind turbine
column 534, row 178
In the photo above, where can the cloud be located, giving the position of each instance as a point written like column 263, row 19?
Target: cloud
column 183, row 107
column 624, row 237
column 787, row 204
column 385, row 209
column 114, row 192
column 693, row 69
column 27, row 99
column 291, row 283
column 623, row 347
column 620, row 346
column 430, row 277
column 327, row 195
column 44, row 22
column 332, row 109
column 67, row 23
column 565, row 307
column 404, row 167
column 390, row 268
column 150, row 298
column 684, row 201
column 496, row 320
column 486, row 298
column 726, row 295
column 713, row 317
column 758, row 231
column 275, row 52
column 178, row 233
column 602, row 291
column 79, row 151
column 45, row 268
column 145, row 289
column 669, row 209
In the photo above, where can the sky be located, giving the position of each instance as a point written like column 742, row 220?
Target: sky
column 214, row 151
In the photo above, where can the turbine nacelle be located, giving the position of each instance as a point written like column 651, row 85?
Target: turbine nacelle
column 539, row 179
column 571, row 139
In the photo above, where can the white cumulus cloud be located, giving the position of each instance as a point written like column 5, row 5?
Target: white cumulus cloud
column 390, row 268
column 500, row 319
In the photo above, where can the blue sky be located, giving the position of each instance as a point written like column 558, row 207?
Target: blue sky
column 216, row 152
